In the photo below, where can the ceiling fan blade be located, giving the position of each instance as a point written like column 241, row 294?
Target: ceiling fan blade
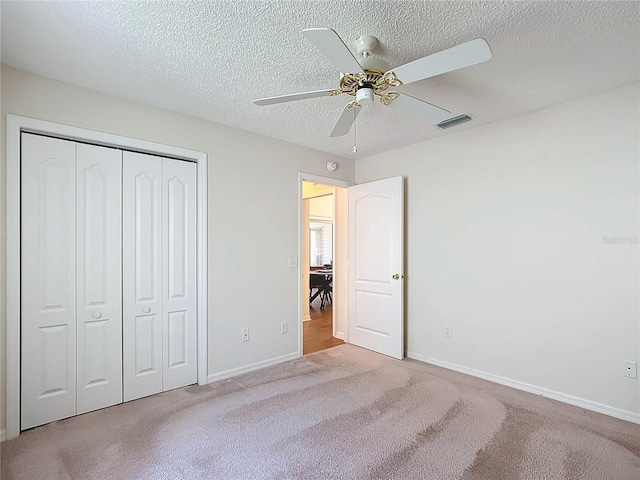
column 464, row 55
column 346, row 119
column 419, row 108
column 291, row 98
column 332, row 47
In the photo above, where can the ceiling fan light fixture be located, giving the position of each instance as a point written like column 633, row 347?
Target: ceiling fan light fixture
column 364, row 94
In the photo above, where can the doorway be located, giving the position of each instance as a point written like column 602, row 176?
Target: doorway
column 323, row 229
column 318, row 326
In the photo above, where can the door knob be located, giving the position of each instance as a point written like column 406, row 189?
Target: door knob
column 97, row 315
column 147, row 309
column 397, row 276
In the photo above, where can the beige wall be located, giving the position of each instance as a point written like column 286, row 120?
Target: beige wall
column 507, row 228
column 321, row 207
column 314, row 189
column 253, row 187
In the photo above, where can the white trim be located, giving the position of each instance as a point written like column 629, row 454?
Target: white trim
column 202, row 274
column 334, row 182
column 309, row 177
column 15, row 125
column 3, row 435
column 334, row 323
column 339, row 335
column 306, row 318
column 234, row 372
column 526, row 387
column 12, row 342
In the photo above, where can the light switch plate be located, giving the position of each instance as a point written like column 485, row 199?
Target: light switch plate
column 293, row 262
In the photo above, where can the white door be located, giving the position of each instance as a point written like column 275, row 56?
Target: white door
column 99, row 277
column 48, row 280
column 376, row 245
column 179, row 272
column 142, row 274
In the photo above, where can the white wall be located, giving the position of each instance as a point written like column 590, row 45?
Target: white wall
column 253, row 187
column 505, row 227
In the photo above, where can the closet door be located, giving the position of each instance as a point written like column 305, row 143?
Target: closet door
column 99, row 277
column 142, row 274
column 48, row 280
column 179, row 285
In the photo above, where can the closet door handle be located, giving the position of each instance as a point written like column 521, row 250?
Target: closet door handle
column 146, row 309
column 97, row 315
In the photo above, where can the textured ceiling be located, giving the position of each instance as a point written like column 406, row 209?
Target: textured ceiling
column 211, row 59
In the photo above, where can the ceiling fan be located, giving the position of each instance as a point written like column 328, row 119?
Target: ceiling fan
column 368, row 76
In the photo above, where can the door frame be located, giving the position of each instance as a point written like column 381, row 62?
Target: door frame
column 15, row 126
column 334, row 182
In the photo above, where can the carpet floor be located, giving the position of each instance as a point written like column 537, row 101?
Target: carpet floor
column 343, row 413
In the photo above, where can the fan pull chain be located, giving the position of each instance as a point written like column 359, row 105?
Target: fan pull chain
column 355, row 117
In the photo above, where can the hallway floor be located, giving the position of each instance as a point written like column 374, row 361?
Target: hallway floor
column 318, row 333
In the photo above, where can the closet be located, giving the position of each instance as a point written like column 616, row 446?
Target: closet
column 108, row 268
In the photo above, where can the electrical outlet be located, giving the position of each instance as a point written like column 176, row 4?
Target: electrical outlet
column 448, row 332
column 283, row 327
column 629, row 369
column 245, row 334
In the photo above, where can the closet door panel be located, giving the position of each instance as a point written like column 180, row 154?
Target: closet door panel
column 48, row 280
column 142, row 274
column 99, row 277
column 179, row 203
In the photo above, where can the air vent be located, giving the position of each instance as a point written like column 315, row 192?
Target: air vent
column 453, row 121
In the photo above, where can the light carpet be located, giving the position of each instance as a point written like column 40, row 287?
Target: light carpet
column 344, row 413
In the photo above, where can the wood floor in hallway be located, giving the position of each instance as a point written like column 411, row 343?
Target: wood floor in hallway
column 318, row 333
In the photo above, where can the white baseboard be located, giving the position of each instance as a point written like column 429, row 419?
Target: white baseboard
column 544, row 392
column 339, row 335
column 3, row 435
column 234, row 372
column 306, row 318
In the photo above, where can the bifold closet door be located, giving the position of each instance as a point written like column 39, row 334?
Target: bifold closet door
column 48, row 280
column 142, row 274
column 99, row 277
column 71, row 279
column 159, row 274
column 179, row 272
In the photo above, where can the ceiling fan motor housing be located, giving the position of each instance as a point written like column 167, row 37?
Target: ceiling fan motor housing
column 374, row 64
